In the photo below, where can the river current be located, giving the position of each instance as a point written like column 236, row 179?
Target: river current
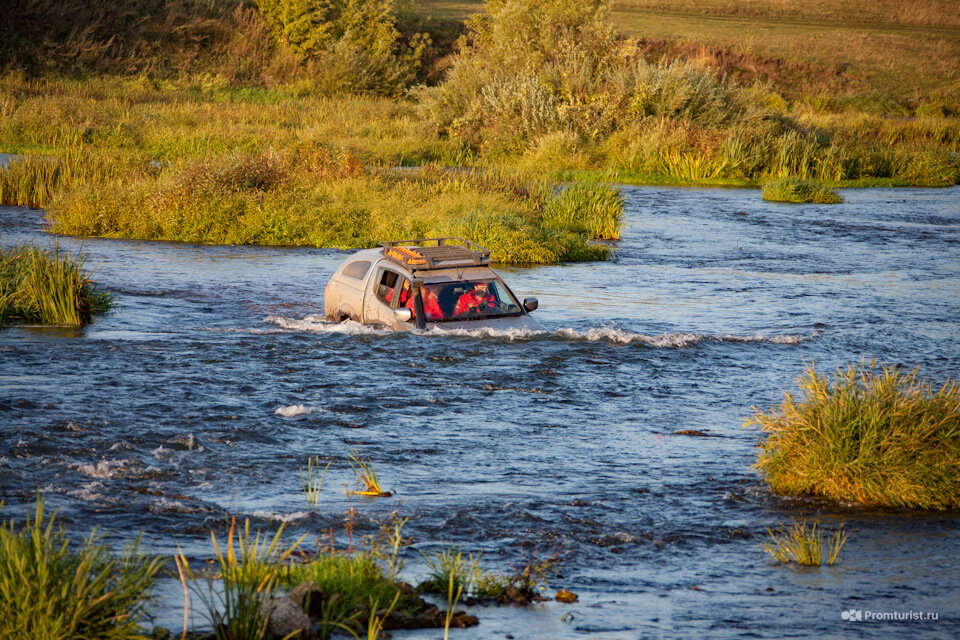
column 215, row 378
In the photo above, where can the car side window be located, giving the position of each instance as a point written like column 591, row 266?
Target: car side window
column 357, row 270
column 385, row 284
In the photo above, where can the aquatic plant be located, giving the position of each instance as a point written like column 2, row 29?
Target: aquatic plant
column 349, row 581
column 452, row 600
column 54, row 589
column 797, row 190
column 870, row 434
column 593, row 210
column 313, row 480
column 796, row 543
column 50, row 287
column 366, row 474
column 248, row 573
column 446, row 564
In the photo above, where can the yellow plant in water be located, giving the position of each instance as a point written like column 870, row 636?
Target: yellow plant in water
column 312, row 483
column 805, row 547
column 366, row 477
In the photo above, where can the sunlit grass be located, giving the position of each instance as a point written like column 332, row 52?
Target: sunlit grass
column 243, row 577
column 870, row 434
column 312, row 481
column 53, row 589
column 799, row 191
column 804, row 546
column 367, row 482
column 49, row 287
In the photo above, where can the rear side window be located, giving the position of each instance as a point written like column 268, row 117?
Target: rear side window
column 356, row 270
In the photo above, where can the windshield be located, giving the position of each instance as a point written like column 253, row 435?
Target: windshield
column 466, row 300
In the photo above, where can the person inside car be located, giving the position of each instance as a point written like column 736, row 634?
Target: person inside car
column 478, row 299
column 405, row 299
column 431, row 304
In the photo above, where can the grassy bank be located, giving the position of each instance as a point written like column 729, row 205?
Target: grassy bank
column 866, row 434
column 47, row 287
column 51, row 588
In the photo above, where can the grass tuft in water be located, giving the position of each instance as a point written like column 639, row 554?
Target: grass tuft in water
column 312, row 481
column 800, row 191
column 248, row 572
column 869, row 434
column 49, row 287
column 50, row 588
column 367, row 482
column 802, row 545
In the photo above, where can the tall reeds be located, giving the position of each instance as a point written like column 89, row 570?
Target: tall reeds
column 799, row 191
column 57, row 590
column 49, row 287
column 804, row 546
column 870, row 434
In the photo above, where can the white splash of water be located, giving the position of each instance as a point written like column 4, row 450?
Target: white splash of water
column 105, row 468
column 611, row 334
column 296, row 410
column 282, row 517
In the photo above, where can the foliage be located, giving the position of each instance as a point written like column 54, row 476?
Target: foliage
column 312, row 481
column 874, row 435
column 248, row 573
column 355, row 45
column 593, row 210
column 349, row 581
column 448, row 569
column 797, row 190
column 805, row 547
column 55, row 590
column 49, row 287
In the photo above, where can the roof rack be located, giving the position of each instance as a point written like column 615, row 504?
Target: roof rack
column 436, row 253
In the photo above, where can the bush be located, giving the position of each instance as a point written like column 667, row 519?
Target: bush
column 880, row 437
column 47, row 287
column 797, row 190
column 354, row 45
column 55, row 590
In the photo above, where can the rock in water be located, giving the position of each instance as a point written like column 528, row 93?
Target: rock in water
column 286, row 617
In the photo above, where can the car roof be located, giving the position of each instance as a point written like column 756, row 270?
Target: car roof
column 452, row 274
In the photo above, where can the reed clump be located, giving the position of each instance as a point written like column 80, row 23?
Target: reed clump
column 800, row 191
column 804, row 546
column 869, row 434
column 48, row 287
column 52, row 588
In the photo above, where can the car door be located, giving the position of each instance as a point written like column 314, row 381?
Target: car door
column 382, row 296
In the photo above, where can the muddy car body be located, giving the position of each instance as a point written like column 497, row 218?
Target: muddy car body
column 442, row 283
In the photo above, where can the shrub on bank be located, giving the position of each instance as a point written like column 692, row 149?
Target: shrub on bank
column 870, row 435
column 799, row 191
column 52, row 589
column 49, row 287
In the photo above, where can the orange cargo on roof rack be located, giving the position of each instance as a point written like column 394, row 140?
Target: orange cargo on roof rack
column 436, row 253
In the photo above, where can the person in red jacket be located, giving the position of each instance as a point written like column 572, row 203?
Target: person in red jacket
column 431, row 304
column 478, row 299
column 405, row 299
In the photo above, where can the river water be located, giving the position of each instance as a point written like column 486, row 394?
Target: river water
column 215, row 378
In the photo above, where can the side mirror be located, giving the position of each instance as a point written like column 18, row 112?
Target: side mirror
column 403, row 314
column 530, row 304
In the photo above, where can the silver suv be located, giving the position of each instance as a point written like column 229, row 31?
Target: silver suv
column 425, row 283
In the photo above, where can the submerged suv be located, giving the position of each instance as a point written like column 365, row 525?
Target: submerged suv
column 425, row 283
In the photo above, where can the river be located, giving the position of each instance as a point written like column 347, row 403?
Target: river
column 215, row 378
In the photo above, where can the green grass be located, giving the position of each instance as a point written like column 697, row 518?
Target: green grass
column 245, row 575
column 797, row 190
column 350, row 583
column 878, row 436
column 53, row 589
column 796, row 543
column 47, row 287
